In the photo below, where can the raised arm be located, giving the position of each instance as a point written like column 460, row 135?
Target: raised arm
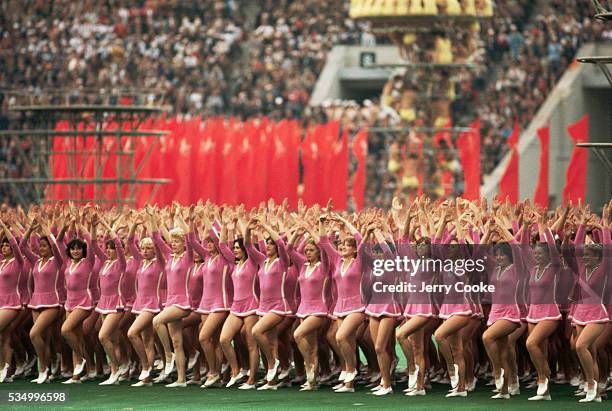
column 160, row 246
column 12, row 243
column 131, row 243
column 297, row 258
column 117, row 242
column 280, row 244
column 24, row 244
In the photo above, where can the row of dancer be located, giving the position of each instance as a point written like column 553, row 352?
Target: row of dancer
column 209, row 287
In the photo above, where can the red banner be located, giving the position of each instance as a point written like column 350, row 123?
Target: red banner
column 469, row 153
column 509, row 183
column 541, row 193
column 225, row 161
column 359, row 147
column 576, row 174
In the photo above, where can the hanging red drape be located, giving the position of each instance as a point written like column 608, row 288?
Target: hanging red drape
column 541, row 193
column 338, row 175
column 469, row 152
column 509, row 183
column 359, row 148
column 576, row 174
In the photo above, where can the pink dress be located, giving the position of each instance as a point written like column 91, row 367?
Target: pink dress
column 542, row 284
column 11, row 271
column 347, row 279
column 111, row 276
column 449, row 306
column 79, row 280
column 272, row 283
column 177, row 268
column 593, row 283
column 246, row 286
column 217, row 289
column 389, row 308
column 128, row 283
column 195, row 283
column 416, row 306
column 47, row 276
column 314, row 282
column 149, row 278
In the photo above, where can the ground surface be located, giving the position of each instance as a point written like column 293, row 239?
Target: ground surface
column 90, row 396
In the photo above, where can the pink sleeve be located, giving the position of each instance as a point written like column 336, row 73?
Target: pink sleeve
column 120, row 253
column 297, row 258
column 326, row 247
column 227, row 254
column 254, row 254
column 161, row 245
column 282, row 251
column 26, row 251
column 98, row 251
column 57, row 253
column 134, row 250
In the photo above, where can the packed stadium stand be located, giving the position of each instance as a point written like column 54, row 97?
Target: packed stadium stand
column 263, row 58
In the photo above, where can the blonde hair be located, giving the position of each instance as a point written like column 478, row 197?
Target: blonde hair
column 177, row 232
column 147, row 241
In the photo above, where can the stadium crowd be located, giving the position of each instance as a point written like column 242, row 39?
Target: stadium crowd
column 212, row 58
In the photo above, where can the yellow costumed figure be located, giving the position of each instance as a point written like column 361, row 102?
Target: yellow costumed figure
column 430, row 7
column 416, row 7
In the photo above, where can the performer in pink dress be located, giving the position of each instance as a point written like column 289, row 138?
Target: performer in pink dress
column 217, row 292
column 504, row 317
column 244, row 307
column 591, row 316
column 11, row 268
column 273, row 304
column 420, row 310
column 111, row 303
column 149, row 277
column 382, row 316
column 349, row 308
column 314, row 282
column 79, row 301
column 543, row 265
column 45, row 301
column 179, row 258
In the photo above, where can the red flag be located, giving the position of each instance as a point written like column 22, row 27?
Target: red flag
column 541, row 193
column 59, row 164
column 469, row 152
column 575, row 176
column 444, row 136
column 293, row 163
column 279, row 181
column 310, row 155
column 186, row 132
column 509, row 183
column 359, row 147
column 326, row 141
column 338, row 176
column 228, row 192
column 247, row 158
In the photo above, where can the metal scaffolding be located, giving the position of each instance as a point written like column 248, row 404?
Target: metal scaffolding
column 84, row 136
column 602, row 62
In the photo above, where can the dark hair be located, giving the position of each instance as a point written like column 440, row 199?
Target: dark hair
column 505, row 249
column 544, row 246
column 111, row 244
column 240, row 243
column 351, row 241
column 5, row 240
column 596, row 249
column 426, row 240
column 44, row 238
column 76, row 243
